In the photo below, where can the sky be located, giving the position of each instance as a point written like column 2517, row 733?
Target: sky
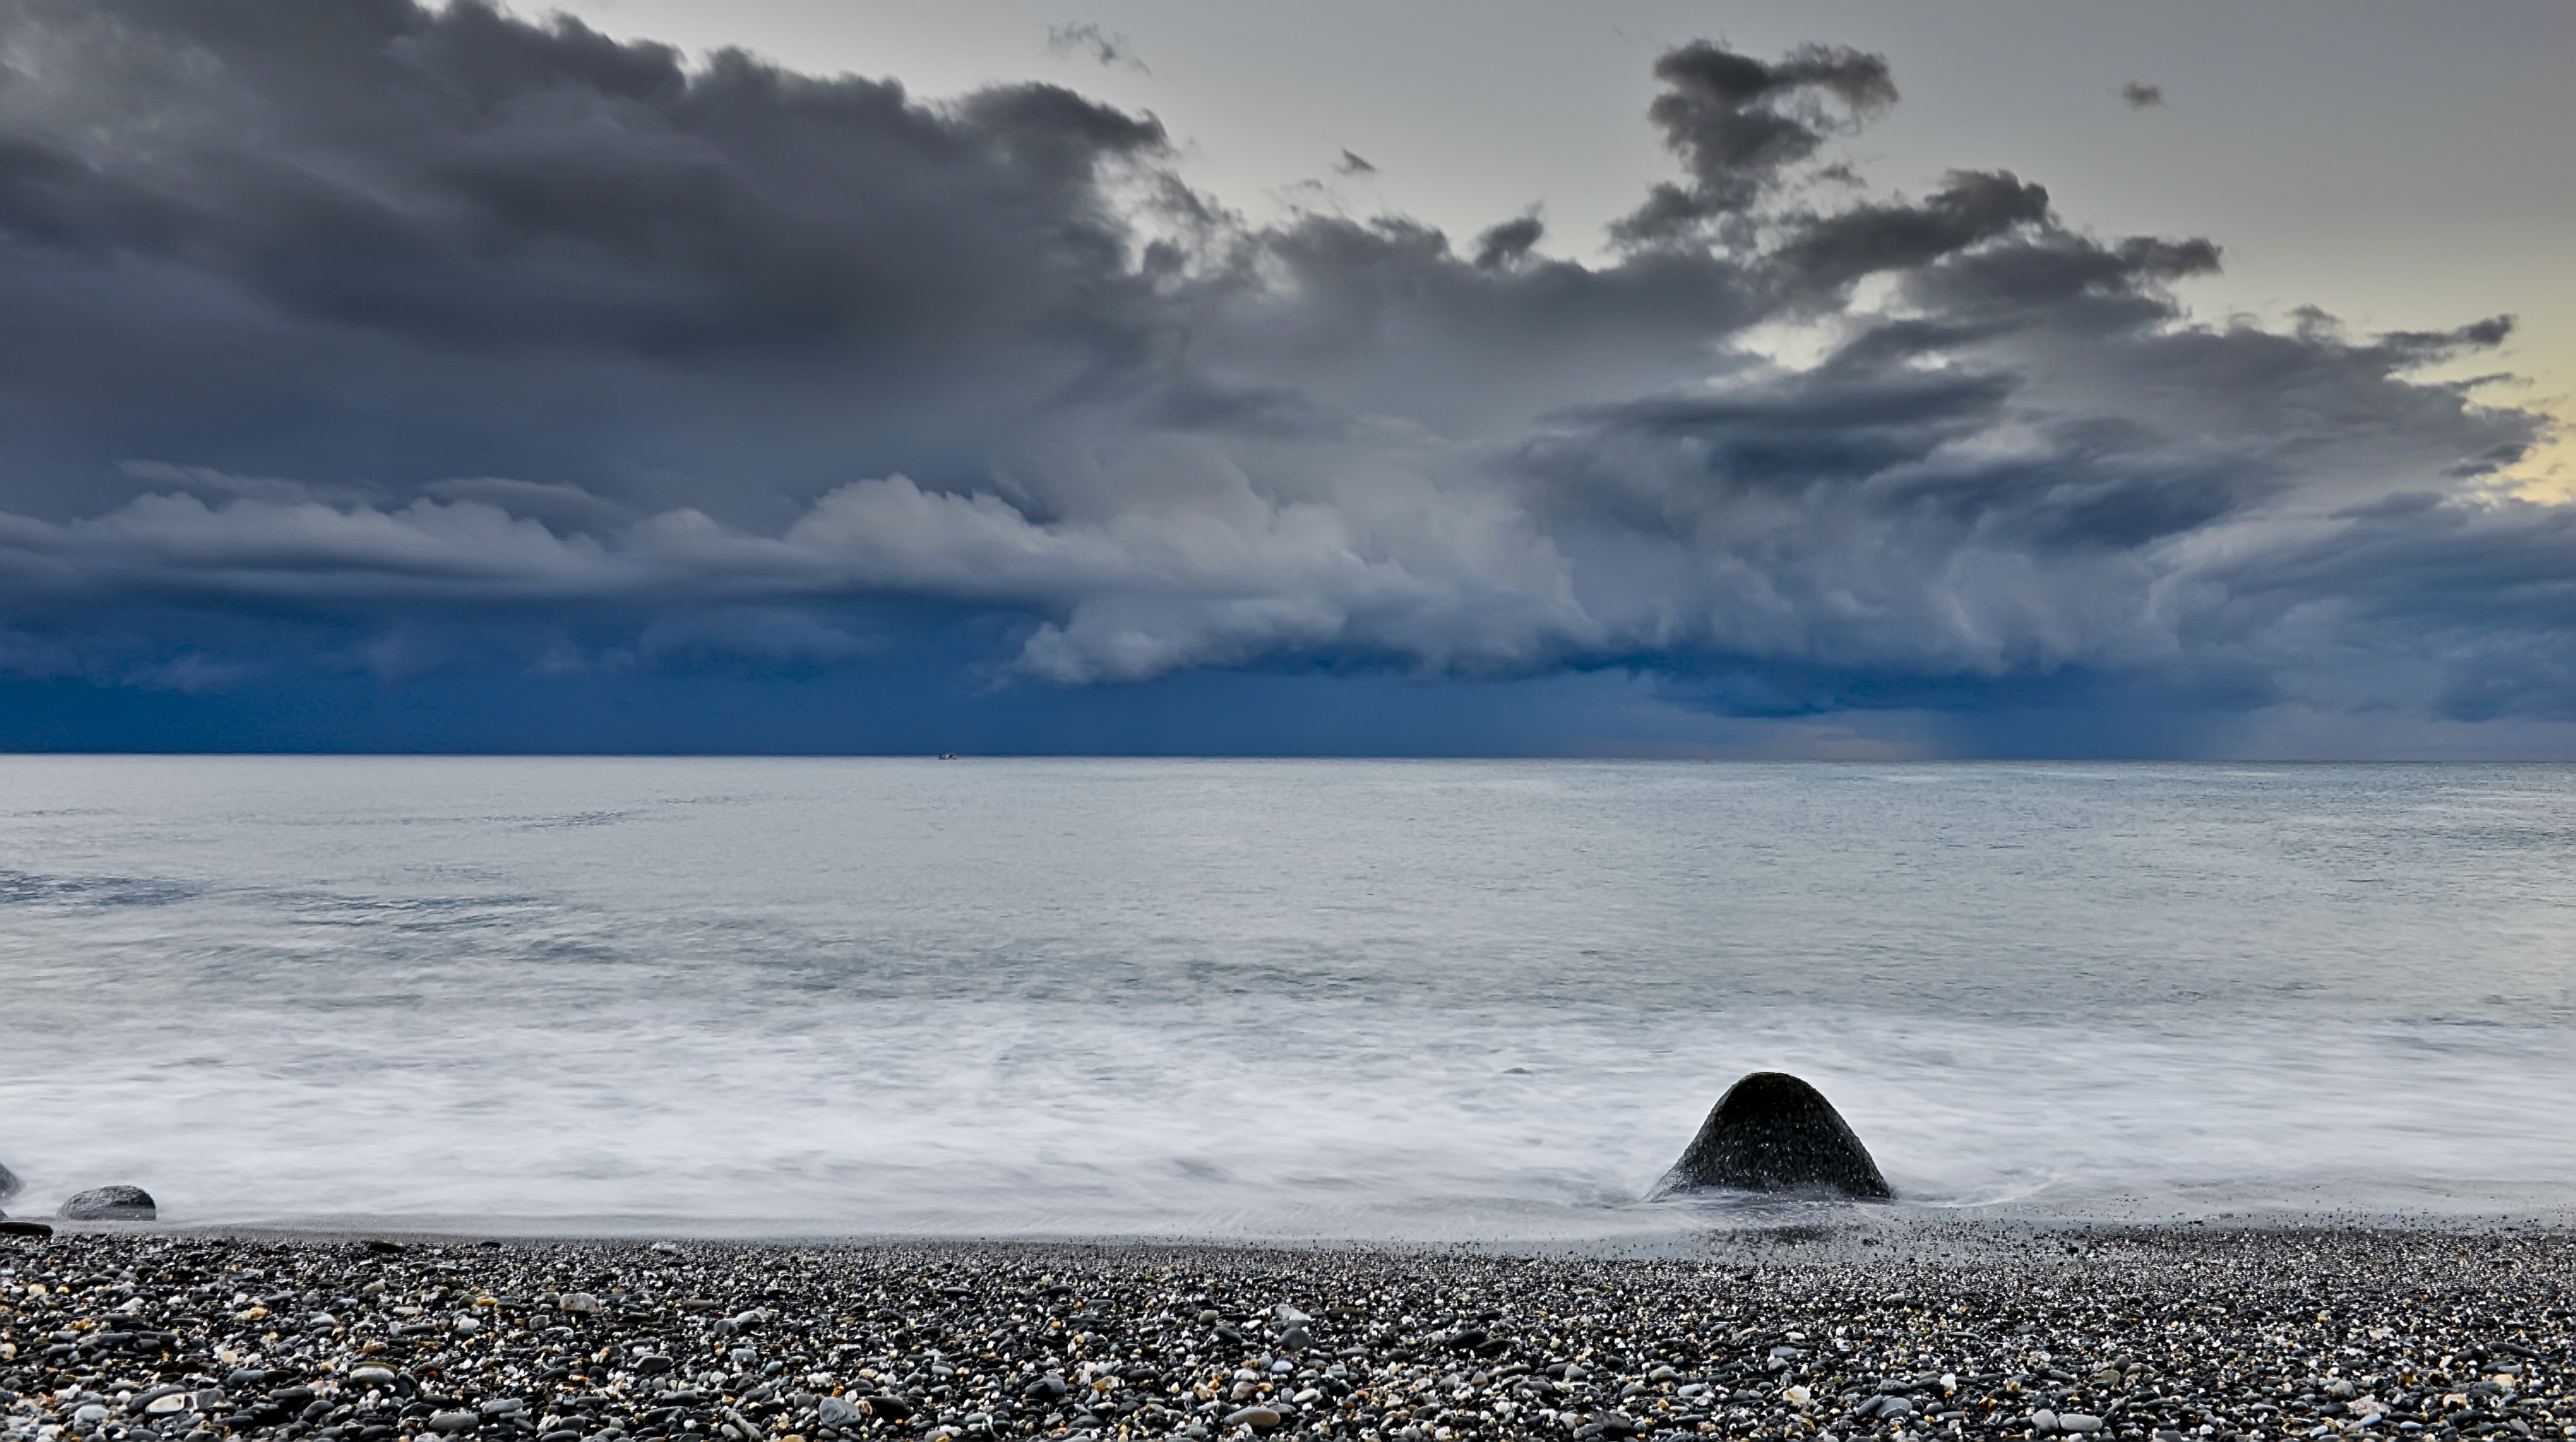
column 1635, row 379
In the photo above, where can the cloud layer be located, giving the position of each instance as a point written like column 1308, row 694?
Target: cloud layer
column 368, row 339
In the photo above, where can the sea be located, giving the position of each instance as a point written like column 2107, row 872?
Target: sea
column 1446, row 1003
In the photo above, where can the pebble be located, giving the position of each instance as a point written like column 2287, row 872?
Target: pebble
column 2145, row 1335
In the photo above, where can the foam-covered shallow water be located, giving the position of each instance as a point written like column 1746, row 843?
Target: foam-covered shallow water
column 1431, row 1001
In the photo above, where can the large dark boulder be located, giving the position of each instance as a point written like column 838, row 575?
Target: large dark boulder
column 110, row 1204
column 1774, row 1133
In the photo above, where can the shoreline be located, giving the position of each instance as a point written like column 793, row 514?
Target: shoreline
column 1690, row 1229
column 2159, row 1332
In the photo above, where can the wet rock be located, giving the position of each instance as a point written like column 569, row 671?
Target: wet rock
column 110, row 1204
column 37, row 1230
column 10, row 1186
column 1772, row 1132
column 1260, row 1419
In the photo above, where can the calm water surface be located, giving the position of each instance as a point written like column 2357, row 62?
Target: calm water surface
column 1429, row 1001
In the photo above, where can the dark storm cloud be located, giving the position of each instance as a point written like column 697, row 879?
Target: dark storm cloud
column 472, row 239
column 378, row 344
column 1509, row 241
column 1085, row 37
column 1738, row 124
column 1970, row 207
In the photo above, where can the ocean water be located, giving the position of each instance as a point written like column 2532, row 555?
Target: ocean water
column 1415, row 1001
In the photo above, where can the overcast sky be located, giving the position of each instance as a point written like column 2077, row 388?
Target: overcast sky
column 1626, row 379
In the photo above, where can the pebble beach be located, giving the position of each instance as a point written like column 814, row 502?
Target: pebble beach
column 2211, row 1331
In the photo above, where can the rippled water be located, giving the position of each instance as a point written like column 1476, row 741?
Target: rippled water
column 1432, row 1001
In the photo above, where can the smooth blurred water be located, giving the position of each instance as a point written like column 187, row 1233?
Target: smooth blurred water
column 1429, row 1001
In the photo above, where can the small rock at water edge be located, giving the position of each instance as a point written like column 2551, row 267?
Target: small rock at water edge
column 111, row 1204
